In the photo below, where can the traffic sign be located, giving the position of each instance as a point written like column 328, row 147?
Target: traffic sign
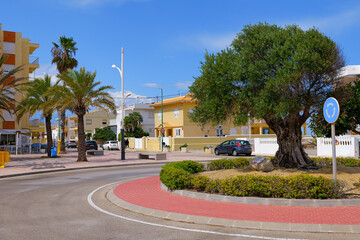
column 331, row 110
column 162, row 131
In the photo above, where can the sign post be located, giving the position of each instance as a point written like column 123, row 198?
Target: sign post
column 219, row 131
column 331, row 112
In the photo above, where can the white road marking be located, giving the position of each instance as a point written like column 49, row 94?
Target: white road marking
column 89, row 198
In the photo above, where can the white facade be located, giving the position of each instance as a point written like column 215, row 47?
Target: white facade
column 345, row 146
column 146, row 112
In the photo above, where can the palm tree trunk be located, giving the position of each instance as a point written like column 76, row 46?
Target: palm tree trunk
column 48, row 134
column 81, row 138
column 62, row 147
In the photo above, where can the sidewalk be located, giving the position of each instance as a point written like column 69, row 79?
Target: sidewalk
column 34, row 163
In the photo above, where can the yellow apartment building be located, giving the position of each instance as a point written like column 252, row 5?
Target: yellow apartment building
column 92, row 120
column 176, row 121
column 19, row 52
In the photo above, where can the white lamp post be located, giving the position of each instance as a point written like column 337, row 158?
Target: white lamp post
column 121, row 71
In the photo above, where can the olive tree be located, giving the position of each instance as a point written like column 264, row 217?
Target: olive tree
column 273, row 73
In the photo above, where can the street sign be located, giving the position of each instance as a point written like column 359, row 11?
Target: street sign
column 162, row 131
column 331, row 110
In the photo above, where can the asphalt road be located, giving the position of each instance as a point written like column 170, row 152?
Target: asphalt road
column 56, row 206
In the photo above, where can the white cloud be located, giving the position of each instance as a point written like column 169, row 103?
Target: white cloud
column 132, row 98
column 44, row 69
column 183, row 85
column 153, row 85
column 211, row 42
column 335, row 23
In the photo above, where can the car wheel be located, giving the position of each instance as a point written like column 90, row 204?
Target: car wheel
column 109, row 148
column 217, row 152
column 234, row 152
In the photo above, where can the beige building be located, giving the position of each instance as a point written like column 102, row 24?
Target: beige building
column 176, row 121
column 92, row 120
column 18, row 51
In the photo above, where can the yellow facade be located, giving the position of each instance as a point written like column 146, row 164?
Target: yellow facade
column 92, row 120
column 18, row 50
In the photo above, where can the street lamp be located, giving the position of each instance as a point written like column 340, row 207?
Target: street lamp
column 162, row 120
column 121, row 71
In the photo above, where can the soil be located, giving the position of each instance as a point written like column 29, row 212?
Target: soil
column 349, row 177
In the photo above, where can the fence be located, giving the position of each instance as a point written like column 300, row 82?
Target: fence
column 265, row 146
column 345, row 146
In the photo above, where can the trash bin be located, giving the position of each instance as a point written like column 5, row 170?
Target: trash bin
column 53, row 152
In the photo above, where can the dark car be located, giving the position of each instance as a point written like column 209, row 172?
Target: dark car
column 90, row 144
column 70, row 144
column 234, row 147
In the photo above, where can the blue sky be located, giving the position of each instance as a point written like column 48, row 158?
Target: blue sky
column 165, row 40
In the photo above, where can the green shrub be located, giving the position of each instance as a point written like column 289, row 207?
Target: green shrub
column 341, row 161
column 208, row 147
column 228, row 163
column 176, row 175
column 184, row 145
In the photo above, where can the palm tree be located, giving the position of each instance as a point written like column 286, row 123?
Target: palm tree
column 78, row 94
column 8, row 86
column 63, row 55
column 35, row 100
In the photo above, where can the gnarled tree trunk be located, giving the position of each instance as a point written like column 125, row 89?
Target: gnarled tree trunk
column 291, row 153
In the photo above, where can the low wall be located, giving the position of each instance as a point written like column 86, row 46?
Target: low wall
column 346, row 146
column 266, row 146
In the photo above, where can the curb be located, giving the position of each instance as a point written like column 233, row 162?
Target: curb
column 290, row 227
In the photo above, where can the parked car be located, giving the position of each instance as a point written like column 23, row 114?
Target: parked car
column 234, row 147
column 91, row 144
column 70, row 144
column 110, row 145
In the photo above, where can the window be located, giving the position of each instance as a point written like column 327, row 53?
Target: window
column 177, row 132
column 151, row 115
column 104, row 122
column 176, row 113
column 88, row 121
column 159, row 115
column 9, row 47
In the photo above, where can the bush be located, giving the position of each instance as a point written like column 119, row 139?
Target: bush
column 176, row 175
column 208, row 147
column 228, row 163
column 341, row 161
column 184, row 145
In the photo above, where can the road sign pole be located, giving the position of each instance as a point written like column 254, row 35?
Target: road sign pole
column 333, row 151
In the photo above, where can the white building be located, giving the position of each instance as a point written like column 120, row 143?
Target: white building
column 146, row 112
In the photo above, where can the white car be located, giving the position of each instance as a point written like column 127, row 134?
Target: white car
column 110, row 145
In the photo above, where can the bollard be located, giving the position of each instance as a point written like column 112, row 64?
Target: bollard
column 4, row 158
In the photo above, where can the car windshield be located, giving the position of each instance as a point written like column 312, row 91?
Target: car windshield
column 244, row 142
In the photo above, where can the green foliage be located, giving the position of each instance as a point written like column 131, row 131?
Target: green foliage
column 279, row 74
column 176, row 175
column 208, row 147
column 104, row 133
column 348, row 97
column 341, row 161
column 88, row 136
column 183, row 146
column 132, row 124
column 64, row 54
column 228, row 163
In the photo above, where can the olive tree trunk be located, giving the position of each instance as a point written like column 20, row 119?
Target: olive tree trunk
column 81, row 138
column 48, row 135
column 291, row 153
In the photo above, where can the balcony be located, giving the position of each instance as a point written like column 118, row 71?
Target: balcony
column 33, row 63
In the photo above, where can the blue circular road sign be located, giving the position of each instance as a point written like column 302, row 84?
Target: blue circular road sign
column 331, row 110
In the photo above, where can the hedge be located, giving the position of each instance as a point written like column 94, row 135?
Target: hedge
column 179, row 175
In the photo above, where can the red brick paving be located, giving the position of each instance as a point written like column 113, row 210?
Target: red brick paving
column 146, row 192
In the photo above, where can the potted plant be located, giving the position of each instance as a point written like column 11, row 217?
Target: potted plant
column 166, row 148
column 208, row 149
column 184, row 148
